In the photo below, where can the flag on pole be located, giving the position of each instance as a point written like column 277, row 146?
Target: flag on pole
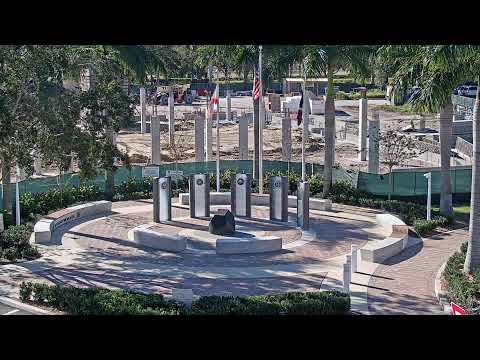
column 300, row 111
column 213, row 105
column 256, row 87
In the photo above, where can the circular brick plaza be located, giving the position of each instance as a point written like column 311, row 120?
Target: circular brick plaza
column 98, row 252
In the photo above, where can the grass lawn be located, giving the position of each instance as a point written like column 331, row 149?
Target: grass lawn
column 460, row 211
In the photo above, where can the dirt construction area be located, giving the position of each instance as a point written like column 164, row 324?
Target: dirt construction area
column 138, row 145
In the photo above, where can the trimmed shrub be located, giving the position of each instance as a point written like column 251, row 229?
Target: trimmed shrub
column 93, row 301
column 423, row 226
column 14, row 243
column 133, row 189
column 294, row 303
column 54, row 199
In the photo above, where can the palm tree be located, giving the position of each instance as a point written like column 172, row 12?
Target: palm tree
column 331, row 57
column 436, row 70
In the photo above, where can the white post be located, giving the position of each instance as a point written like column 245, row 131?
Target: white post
column 143, row 111
column 373, row 153
column 171, row 117
column 229, row 105
column 261, row 116
column 429, row 195
column 218, row 149
column 199, row 134
column 354, row 258
column 243, row 138
column 286, row 137
column 362, row 127
column 155, row 135
column 208, row 136
column 17, row 196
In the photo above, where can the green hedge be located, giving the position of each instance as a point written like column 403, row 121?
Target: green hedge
column 423, row 226
column 294, row 303
column 14, row 243
column 371, row 94
column 94, row 301
column 46, row 202
column 461, row 290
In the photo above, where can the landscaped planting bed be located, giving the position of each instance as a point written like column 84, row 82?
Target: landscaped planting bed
column 463, row 290
column 94, row 301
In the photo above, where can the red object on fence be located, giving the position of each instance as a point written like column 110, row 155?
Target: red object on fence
column 457, row 310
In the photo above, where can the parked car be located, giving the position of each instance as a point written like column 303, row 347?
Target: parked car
column 470, row 91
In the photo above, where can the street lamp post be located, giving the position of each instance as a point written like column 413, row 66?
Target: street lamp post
column 429, row 195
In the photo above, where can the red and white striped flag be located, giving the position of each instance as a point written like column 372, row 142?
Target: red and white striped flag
column 212, row 106
column 256, row 87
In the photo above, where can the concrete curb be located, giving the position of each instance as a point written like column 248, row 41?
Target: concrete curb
column 439, row 293
column 21, row 306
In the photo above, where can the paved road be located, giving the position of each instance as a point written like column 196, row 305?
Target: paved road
column 9, row 310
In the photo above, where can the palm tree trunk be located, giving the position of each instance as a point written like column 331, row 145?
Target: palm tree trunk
column 446, row 117
column 6, row 183
column 329, row 134
column 472, row 260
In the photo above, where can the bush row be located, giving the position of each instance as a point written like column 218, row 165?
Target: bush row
column 423, row 226
column 371, row 94
column 460, row 289
column 14, row 243
column 94, row 301
column 45, row 202
column 141, row 188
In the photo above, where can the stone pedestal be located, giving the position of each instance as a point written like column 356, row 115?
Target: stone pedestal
column 303, row 205
column 279, row 198
column 241, row 190
column 162, row 199
column 143, row 111
column 155, row 134
column 275, row 103
column 421, row 124
column 373, row 145
column 199, row 195
column 171, row 118
column 208, row 137
column 243, row 138
column 199, row 134
column 286, row 138
column 362, row 129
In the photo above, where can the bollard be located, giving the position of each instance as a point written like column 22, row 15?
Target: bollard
column 279, row 198
column 1, row 223
column 165, row 198
column 156, row 201
column 354, row 258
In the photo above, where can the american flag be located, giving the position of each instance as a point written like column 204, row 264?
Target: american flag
column 256, row 87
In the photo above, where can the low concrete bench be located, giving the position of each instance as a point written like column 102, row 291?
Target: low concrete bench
column 142, row 235
column 216, row 198
column 43, row 229
column 378, row 251
column 224, row 198
column 248, row 245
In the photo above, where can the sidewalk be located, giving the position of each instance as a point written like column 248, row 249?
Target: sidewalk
column 405, row 284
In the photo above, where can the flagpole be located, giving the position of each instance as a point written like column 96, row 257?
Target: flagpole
column 305, row 124
column 261, row 114
column 218, row 147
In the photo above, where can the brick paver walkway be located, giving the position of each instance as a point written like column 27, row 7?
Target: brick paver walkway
column 405, row 284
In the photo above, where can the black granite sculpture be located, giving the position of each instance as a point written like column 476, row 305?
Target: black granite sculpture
column 222, row 223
